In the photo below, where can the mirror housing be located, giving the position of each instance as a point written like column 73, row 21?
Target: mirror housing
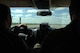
column 44, row 13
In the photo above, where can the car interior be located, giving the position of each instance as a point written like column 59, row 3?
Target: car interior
column 29, row 15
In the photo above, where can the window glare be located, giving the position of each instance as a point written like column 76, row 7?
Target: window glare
column 60, row 16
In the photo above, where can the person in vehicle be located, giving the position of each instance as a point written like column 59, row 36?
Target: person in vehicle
column 65, row 40
column 27, row 31
column 9, row 42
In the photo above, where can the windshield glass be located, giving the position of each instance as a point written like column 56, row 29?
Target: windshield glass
column 27, row 15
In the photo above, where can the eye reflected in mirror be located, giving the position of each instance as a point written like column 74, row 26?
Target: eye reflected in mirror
column 44, row 13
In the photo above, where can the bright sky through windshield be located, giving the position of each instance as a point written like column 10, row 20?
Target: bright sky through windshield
column 28, row 15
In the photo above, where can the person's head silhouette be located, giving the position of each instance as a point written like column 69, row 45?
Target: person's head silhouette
column 5, row 16
column 74, row 9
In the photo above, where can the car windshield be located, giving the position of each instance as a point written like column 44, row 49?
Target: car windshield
column 27, row 15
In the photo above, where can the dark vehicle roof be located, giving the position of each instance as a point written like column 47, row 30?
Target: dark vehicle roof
column 31, row 3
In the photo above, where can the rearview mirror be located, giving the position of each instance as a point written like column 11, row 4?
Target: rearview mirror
column 44, row 13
